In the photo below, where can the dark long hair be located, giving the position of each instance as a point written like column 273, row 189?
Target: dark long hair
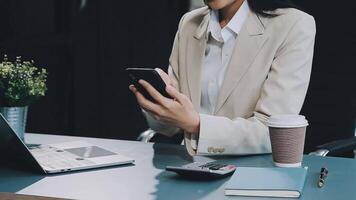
column 263, row 7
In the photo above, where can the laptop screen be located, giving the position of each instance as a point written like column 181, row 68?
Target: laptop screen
column 13, row 151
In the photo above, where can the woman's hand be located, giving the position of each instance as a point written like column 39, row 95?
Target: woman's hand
column 178, row 111
column 167, row 80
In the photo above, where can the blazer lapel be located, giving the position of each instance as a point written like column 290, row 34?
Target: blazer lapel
column 195, row 51
column 248, row 44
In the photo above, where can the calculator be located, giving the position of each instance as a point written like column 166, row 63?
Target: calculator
column 206, row 170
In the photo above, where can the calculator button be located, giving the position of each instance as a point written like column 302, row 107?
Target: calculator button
column 217, row 167
column 207, row 165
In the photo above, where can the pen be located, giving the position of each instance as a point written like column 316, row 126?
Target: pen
column 322, row 177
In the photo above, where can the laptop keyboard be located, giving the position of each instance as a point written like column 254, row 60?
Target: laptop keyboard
column 52, row 158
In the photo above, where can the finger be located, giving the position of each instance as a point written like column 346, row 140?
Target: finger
column 164, row 76
column 145, row 103
column 175, row 94
column 132, row 88
column 141, row 99
column 154, row 93
column 139, row 96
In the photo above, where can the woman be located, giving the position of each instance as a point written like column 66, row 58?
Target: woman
column 233, row 64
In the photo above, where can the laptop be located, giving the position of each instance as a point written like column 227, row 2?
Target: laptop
column 55, row 158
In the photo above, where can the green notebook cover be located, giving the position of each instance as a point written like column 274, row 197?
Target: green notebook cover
column 267, row 182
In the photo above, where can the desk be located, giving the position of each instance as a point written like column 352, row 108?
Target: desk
column 148, row 180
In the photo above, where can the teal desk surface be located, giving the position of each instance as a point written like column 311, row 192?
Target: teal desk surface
column 147, row 179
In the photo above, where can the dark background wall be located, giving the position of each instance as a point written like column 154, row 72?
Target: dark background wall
column 331, row 101
column 86, row 48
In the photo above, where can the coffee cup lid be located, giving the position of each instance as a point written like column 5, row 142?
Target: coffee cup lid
column 287, row 121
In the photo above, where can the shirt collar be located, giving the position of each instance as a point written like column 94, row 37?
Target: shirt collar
column 234, row 26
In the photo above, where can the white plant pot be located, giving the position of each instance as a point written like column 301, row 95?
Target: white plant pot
column 16, row 117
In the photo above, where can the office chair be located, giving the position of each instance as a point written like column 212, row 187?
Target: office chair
column 151, row 136
column 338, row 146
column 146, row 135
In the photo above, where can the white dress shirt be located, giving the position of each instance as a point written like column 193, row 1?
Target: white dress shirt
column 220, row 45
column 221, row 42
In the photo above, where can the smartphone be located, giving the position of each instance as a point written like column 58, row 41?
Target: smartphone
column 150, row 75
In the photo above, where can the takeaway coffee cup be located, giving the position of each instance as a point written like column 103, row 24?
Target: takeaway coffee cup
column 287, row 134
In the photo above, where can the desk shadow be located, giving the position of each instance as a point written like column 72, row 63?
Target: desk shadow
column 168, row 154
column 13, row 180
column 171, row 186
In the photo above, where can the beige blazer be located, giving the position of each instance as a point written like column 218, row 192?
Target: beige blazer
column 268, row 74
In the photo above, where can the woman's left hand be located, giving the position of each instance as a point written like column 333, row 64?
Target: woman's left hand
column 178, row 111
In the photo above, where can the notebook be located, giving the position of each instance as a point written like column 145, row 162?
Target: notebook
column 267, row 182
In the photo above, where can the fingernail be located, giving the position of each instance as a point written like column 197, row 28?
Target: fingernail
column 132, row 88
column 169, row 88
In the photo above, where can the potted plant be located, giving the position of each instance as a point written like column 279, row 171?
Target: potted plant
column 21, row 83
